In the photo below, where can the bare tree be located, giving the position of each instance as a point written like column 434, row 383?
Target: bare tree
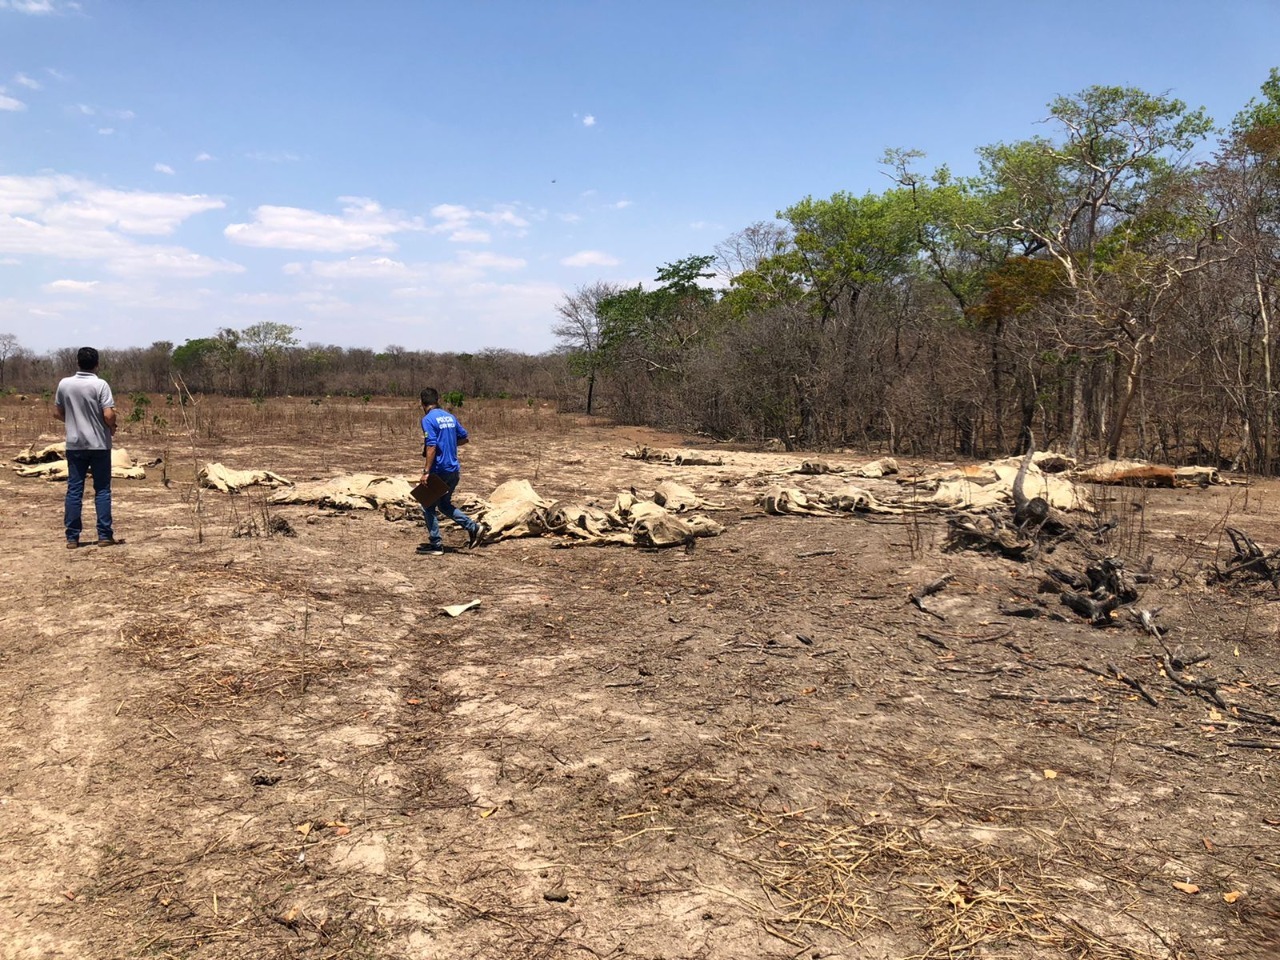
column 750, row 247
column 8, row 347
column 579, row 330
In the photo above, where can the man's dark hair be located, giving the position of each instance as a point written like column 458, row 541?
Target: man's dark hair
column 87, row 359
column 430, row 397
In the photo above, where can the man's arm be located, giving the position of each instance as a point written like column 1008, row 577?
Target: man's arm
column 109, row 418
column 462, row 441
column 430, row 459
column 59, row 412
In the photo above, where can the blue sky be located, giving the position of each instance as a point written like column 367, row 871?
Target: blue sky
column 439, row 175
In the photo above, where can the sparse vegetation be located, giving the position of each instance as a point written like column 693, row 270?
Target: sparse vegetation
column 761, row 744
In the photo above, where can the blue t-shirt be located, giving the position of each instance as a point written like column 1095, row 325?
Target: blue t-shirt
column 441, row 429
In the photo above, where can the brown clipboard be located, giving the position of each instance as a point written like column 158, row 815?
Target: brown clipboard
column 428, row 494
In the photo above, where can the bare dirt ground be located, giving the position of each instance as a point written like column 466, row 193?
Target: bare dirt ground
column 215, row 746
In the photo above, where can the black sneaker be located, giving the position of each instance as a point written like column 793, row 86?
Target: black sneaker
column 475, row 537
column 430, row 550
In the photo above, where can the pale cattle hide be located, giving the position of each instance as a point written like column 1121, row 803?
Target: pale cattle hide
column 868, row 471
column 678, row 498
column 514, row 509
column 218, row 477
column 47, row 454
column 123, row 467
column 848, row 499
column 357, row 491
column 679, row 458
column 978, row 486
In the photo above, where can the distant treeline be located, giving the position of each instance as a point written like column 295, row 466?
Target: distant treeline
column 265, row 360
column 1110, row 288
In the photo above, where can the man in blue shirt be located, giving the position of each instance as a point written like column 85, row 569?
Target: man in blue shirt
column 442, row 435
column 84, row 403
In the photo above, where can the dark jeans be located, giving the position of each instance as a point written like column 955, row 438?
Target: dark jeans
column 445, row 506
column 79, row 464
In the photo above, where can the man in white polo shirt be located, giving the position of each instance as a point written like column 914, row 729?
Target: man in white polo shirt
column 85, row 404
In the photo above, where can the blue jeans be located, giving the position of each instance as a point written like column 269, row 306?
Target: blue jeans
column 80, row 463
column 445, row 506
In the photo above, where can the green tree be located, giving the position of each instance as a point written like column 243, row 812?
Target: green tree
column 1107, row 204
column 265, row 345
column 844, row 244
column 648, row 336
column 655, row 328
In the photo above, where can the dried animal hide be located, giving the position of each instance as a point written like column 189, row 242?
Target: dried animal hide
column 853, row 499
column 978, row 486
column 123, row 467
column 48, row 454
column 584, row 522
column 877, row 468
column 1126, row 473
column 217, row 477
column 514, row 509
column 1198, row 477
column 791, row 500
column 678, row 498
column 868, row 471
column 652, row 525
column 1141, row 473
column 850, row 499
column 358, row 491
column 679, row 458
column 817, row 468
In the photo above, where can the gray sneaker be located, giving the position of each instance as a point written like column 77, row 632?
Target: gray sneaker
column 430, row 550
column 476, row 536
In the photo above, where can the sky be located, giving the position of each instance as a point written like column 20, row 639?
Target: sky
column 439, row 175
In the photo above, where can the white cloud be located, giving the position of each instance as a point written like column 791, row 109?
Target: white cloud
column 359, row 268
column 485, row 260
column 590, row 258
column 84, row 109
column 469, row 266
column 174, row 262
column 57, row 74
column 132, row 211
column 202, row 157
column 38, row 7
column 10, row 103
column 22, row 80
column 72, row 286
column 570, row 217
column 163, row 168
column 623, row 204
column 122, row 114
column 66, row 218
column 106, row 131
column 470, row 235
column 363, row 225
column 458, row 221
column 589, row 121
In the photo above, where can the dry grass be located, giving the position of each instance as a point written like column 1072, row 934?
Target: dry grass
column 851, row 873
